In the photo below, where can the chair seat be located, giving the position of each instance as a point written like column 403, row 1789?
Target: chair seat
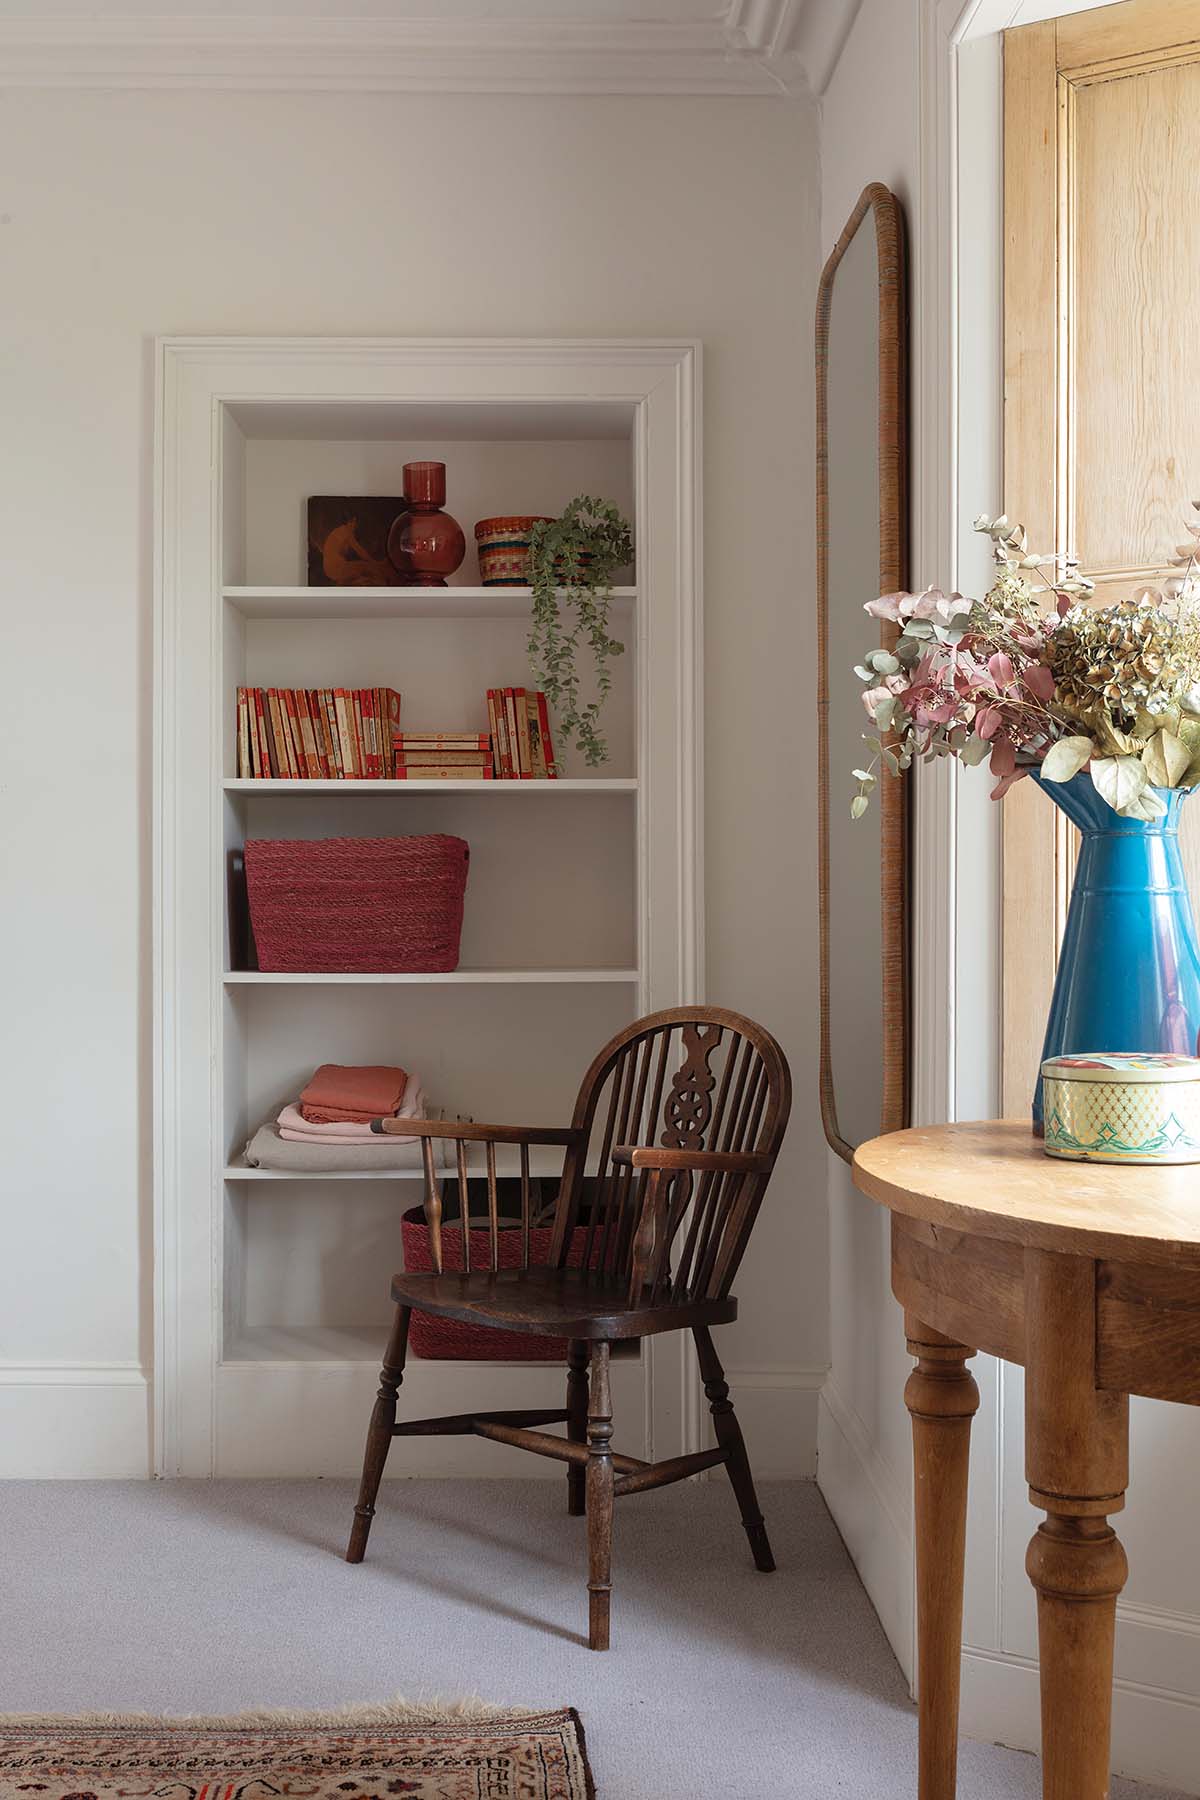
column 553, row 1303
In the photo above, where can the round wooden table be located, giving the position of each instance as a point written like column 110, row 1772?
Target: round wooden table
column 1088, row 1274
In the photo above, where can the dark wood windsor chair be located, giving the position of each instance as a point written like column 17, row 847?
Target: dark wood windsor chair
column 684, row 1111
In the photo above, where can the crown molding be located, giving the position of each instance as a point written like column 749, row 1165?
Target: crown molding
column 747, row 51
column 819, row 37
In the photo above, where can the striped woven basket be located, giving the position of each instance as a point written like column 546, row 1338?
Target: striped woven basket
column 357, row 905
column 503, row 546
column 454, row 1340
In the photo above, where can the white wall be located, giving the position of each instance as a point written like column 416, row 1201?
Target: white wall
column 126, row 215
column 864, row 1463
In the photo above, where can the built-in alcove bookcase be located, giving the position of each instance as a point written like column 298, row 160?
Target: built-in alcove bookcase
column 584, row 896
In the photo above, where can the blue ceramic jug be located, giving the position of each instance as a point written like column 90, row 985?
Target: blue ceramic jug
column 1129, row 969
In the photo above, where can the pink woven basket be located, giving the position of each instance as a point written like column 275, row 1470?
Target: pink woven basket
column 453, row 1340
column 391, row 906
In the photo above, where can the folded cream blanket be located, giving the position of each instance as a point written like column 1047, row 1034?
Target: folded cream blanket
column 270, row 1149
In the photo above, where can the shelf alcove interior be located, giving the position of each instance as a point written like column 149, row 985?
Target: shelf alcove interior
column 550, row 953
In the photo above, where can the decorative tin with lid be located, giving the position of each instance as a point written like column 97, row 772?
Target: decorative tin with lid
column 1114, row 1107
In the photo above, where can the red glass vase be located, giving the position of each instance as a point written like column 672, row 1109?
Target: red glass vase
column 425, row 543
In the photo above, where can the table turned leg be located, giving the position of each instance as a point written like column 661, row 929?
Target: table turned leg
column 1077, row 1463
column 942, row 1397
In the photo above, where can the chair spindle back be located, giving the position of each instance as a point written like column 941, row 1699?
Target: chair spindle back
column 695, row 1078
column 460, row 1135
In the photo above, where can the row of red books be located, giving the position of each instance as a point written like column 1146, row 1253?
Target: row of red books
column 317, row 734
column 522, row 747
column 353, row 734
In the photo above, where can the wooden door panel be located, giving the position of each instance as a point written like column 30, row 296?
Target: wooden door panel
column 1132, row 152
column 1102, row 366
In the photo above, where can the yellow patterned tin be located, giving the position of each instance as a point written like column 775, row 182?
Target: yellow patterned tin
column 1123, row 1108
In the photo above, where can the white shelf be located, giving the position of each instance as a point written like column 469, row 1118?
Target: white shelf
column 288, row 605
column 455, row 978
column 545, row 1164
column 240, row 1171
column 607, row 785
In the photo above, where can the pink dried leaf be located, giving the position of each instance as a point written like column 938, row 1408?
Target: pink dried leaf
column 1006, row 781
column 887, row 606
column 1040, row 681
column 1003, row 758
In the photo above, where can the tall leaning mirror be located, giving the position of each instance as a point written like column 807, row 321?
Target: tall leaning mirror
column 862, row 545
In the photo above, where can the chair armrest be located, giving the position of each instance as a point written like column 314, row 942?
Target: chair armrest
column 472, row 1133
column 720, row 1162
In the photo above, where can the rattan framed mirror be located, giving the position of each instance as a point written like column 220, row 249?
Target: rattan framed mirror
column 862, row 550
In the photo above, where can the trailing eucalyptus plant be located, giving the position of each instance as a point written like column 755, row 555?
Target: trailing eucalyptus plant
column 572, row 560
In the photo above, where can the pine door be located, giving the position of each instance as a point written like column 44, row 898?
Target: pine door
column 1101, row 374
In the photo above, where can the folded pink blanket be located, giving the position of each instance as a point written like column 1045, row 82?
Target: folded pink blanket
column 340, row 1092
column 293, row 1124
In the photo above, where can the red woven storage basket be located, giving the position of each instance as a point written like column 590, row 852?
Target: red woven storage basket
column 444, row 1340
column 370, row 905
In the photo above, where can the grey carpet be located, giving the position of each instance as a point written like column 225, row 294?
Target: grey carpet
column 212, row 1597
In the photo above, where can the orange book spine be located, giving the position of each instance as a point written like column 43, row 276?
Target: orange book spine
column 244, row 768
column 467, row 757
column 262, row 746
column 510, row 723
column 443, row 740
column 316, row 713
column 295, row 743
column 371, row 717
column 391, row 704
column 308, row 736
column 537, row 757
column 547, row 740
column 356, row 727
column 279, row 755
column 362, row 718
column 333, row 743
column 522, row 712
column 379, row 714
column 509, row 748
column 444, row 772
column 494, row 730
column 345, row 723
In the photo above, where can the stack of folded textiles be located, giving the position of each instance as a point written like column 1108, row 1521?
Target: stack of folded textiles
column 337, row 1124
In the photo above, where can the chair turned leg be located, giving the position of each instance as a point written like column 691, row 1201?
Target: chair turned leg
column 577, row 1417
column 731, row 1441
column 599, row 1499
column 379, row 1433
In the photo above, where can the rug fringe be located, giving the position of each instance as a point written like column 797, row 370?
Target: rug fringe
column 388, row 1712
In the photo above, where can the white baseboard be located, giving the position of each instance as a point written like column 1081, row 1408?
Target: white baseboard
column 91, row 1421
column 777, row 1410
column 1156, row 1732
column 871, row 1507
column 74, row 1421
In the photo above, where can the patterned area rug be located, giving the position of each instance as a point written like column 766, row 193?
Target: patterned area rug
column 450, row 1753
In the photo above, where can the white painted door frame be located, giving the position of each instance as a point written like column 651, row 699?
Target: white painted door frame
column 199, row 381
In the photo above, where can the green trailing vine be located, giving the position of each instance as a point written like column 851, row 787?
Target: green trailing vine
column 572, row 560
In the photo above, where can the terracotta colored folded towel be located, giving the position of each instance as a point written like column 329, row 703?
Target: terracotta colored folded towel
column 269, row 1149
column 292, row 1122
column 338, row 1093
